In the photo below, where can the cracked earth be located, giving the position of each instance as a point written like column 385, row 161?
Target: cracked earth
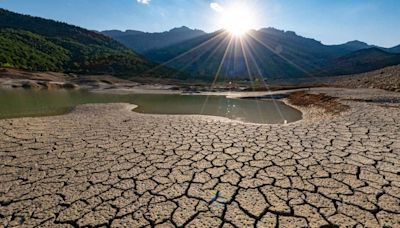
column 103, row 165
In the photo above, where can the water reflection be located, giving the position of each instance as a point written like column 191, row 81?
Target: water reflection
column 21, row 103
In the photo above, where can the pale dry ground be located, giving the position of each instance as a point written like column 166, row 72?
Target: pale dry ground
column 387, row 78
column 103, row 165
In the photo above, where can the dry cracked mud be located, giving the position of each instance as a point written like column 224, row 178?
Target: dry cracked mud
column 105, row 166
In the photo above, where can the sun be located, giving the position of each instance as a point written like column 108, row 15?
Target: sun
column 237, row 19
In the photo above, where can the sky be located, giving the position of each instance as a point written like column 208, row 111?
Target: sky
column 329, row 21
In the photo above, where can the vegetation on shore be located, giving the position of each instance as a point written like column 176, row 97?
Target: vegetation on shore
column 37, row 44
column 25, row 50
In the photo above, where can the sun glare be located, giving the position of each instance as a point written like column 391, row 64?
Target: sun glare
column 237, row 19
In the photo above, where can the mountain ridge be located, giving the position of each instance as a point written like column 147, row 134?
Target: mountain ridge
column 364, row 60
column 35, row 43
column 279, row 54
column 356, row 44
column 142, row 42
column 301, row 56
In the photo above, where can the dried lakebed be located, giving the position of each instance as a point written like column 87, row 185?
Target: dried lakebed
column 103, row 165
column 25, row 103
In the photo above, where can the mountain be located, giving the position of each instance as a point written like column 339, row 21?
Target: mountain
column 395, row 49
column 270, row 53
column 142, row 42
column 215, row 53
column 307, row 54
column 267, row 53
column 218, row 54
column 360, row 61
column 118, row 33
column 354, row 45
column 38, row 44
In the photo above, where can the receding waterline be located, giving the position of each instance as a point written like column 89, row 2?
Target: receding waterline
column 30, row 103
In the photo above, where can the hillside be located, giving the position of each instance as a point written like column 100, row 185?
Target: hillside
column 38, row 44
column 306, row 53
column 25, row 50
column 142, row 42
column 395, row 49
column 387, row 78
column 354, row 45
column 360, row 61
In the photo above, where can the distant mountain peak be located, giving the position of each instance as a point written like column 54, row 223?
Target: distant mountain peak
column 132, row 31
column 271, row 30
column 185, row 29
column 278, row 31
column 182, row 28
column 145, row 41
column 356, row 42
column 395, row 49
column 354, row 45
column 290, row 35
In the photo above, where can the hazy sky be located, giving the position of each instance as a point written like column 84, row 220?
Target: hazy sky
column 330, row 21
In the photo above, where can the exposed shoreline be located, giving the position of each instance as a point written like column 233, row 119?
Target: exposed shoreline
column 237, row 95
column 104, row 164
column 310, row 113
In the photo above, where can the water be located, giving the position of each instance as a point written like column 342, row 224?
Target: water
column 30, row 103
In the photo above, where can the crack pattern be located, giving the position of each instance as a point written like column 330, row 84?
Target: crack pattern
column 102, row 165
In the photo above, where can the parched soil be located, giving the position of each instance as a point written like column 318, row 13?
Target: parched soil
column 330, row 104
column 104, row 165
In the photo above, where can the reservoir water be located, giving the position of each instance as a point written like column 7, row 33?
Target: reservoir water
column 16, row 103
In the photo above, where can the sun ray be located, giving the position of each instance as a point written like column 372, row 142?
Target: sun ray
column 164, row 64
column 284, row 58
column 222, row 62
column 213, row 48
column 263, row 80
column 289, row 48
column 220, row 45
column 217, row 73
column 250, row 75
column 278, row 54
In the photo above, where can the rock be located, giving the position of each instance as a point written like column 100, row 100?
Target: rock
column 69, row 85
column 30, row 85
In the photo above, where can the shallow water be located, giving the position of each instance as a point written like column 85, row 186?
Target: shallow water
column 29, row 103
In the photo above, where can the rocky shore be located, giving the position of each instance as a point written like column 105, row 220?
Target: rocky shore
column 387, row 78
column 104, row 165
column 11, row 78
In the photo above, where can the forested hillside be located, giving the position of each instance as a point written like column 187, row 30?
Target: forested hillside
column 38, row 44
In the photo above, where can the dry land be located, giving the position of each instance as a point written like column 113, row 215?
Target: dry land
column 387, row 78
column 104, row 165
